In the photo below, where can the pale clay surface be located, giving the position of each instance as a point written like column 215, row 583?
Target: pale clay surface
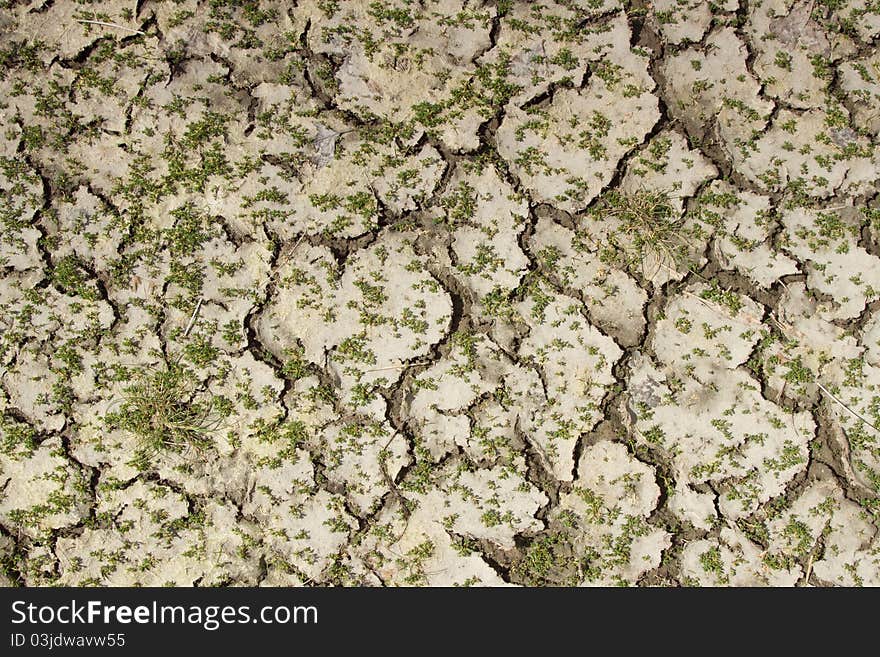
column 456, row 293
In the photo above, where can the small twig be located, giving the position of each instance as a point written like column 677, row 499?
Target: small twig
column 813, row 554
column 786, row 329
column 809, row 17
column 192, row 320
column 809, row 571
column 399, row 367
column 298, row 241
column 119, row 27
column 854, row 413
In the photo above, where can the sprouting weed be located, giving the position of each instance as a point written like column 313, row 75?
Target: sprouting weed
column 165, row 411
column 649, row 228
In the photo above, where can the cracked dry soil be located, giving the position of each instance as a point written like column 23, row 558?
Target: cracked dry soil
column 439, row 293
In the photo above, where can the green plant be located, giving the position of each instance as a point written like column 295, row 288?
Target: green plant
column 647, row 225
column 163, row 409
